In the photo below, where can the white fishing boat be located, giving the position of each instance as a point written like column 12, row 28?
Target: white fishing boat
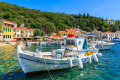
column 102, row 45
column 75, row 54
column 115, row 40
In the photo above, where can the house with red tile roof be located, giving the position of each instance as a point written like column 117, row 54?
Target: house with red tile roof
column 9, row 23
column 23, row 32
column 66, row 32
column 7, row 30
column 11, row 31
column 109, row 35
column 97, row 33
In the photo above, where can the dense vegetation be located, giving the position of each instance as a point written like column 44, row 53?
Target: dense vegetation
column 0, row 26
column 50, row 22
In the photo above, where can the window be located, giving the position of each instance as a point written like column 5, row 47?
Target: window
column 26, row 35
column 70, row 42
column 6, row 29
column 10, row 30
column 10, row 36
column 17, row 35
column 79, row 42
column 6, row 36
column 26, row 32
column 3, row 29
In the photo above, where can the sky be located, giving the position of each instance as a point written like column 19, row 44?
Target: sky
column 109, row 9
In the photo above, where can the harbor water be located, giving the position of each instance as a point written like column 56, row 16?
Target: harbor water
column 108, row 67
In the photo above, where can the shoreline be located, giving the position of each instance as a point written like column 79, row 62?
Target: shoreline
column 4, row 44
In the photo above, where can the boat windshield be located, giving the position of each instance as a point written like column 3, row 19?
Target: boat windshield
column 70, row 42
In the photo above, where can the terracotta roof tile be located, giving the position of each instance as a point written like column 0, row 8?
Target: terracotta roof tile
column 83, row 31
column 24, row 29
column 10, row 22
column 56, row 36
column 109, row 32
column 6, row 26
column 70, row 30
column 62, row 31
column 99, row 31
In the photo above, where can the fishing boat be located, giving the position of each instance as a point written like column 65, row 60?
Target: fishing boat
column 115, row 40
column 74, row 53
column 102, row 45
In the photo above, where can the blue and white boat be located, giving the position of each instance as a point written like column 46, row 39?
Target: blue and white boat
column 115, row 40
column 74, row 53
column 102, row 45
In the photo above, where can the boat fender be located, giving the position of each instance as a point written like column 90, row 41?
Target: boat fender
column 79, row 62
column 70, row 62
column 95, row 57
column 99, row 55
column 89, row 59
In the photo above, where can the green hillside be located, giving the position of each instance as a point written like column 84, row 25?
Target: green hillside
column 50, row 22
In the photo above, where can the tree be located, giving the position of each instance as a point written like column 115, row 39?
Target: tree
column 93, row 27
column 84, row 15
column 88, row 15
column 49, row 27
column 88, row 29
column 7, row 15
column 39, row 32
column 49, row 21
column 1, row 16
column 0, row 26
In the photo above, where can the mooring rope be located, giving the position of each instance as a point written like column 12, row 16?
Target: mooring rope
column 47, row 69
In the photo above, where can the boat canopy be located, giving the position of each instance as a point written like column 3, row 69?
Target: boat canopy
column 85, row 44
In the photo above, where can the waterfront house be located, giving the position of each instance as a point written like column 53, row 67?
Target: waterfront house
column 97, row 33
column 66, row 32
column 7, row 28
column 20, row 33
column 117, row 34
column 109, row 35
column 110, row 22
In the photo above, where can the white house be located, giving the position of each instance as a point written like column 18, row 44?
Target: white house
column 97, row 33
column 109, row 35
column 117, row 34
column 110, row 21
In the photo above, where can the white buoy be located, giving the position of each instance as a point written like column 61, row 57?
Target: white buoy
column 79, row 62
column 70, row 62
column 95, row 57
column 89, row 59
column 99, row 55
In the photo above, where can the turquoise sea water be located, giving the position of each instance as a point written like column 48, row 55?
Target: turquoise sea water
column 108, row 68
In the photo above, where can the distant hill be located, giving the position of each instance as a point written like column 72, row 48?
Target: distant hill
column 49, row 21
